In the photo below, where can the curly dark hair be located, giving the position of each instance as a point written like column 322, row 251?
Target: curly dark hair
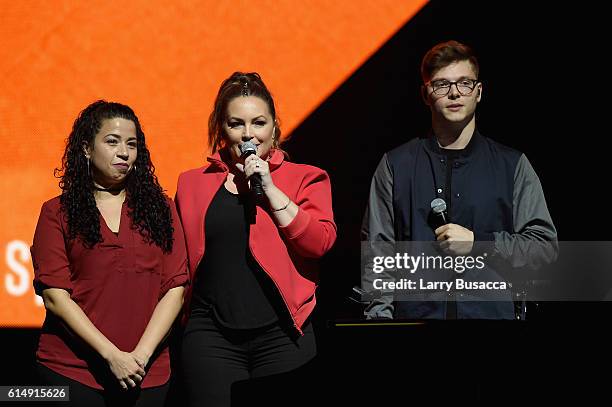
column 147, row 203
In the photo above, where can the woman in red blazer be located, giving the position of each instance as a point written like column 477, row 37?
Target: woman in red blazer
column 252, row 260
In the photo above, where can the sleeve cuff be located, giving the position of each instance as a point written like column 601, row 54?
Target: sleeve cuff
column 175, row 281
column 378, row 310
column 42, row 284
column 298, row 225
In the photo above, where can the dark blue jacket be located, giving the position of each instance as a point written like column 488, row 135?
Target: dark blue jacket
column 489, row 189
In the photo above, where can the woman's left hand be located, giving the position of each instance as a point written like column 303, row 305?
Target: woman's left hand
column 255, row 165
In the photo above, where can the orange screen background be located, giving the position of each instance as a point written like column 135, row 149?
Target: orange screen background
column 166, row 59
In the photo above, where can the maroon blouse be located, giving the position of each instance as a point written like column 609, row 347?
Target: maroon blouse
column 117, row 284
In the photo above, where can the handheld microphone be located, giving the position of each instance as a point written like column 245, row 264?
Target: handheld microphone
column 247, row 148
column 438, row 209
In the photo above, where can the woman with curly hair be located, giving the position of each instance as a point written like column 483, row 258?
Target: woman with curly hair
column 110, row 264
column 255, row 225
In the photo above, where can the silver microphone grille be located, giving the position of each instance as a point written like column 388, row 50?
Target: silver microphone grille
column 247, row 146
column 438, row 205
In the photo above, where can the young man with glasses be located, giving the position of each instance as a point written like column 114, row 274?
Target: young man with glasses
column 474, row 196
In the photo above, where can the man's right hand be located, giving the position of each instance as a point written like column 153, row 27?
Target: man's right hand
column 455, row 239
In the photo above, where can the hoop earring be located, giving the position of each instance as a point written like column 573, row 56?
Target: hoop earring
column 88, row 170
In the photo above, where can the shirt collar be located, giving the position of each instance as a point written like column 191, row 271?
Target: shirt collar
column 220, row 160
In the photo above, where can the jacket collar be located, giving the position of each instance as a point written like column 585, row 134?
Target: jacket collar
column 219, row 161
column 475, row 144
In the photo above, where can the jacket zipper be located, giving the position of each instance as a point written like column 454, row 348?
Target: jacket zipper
column 202, row 239
column 295, row 325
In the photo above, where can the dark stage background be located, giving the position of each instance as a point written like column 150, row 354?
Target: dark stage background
column 544, row 93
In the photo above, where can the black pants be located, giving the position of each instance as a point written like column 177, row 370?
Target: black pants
column 219, row 366
column 85, row 396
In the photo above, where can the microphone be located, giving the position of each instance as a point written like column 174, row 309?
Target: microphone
column 247, row 148
column 438, row 209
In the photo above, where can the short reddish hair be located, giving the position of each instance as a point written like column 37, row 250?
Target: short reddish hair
column 444, row 54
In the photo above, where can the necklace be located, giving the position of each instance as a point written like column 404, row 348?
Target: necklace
column 115, row 189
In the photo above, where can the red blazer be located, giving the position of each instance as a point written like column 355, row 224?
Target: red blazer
column 287, row 254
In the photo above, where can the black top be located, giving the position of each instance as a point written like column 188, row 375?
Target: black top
column 228, row 279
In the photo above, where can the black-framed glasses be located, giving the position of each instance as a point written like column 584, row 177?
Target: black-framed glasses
column 465, row 87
